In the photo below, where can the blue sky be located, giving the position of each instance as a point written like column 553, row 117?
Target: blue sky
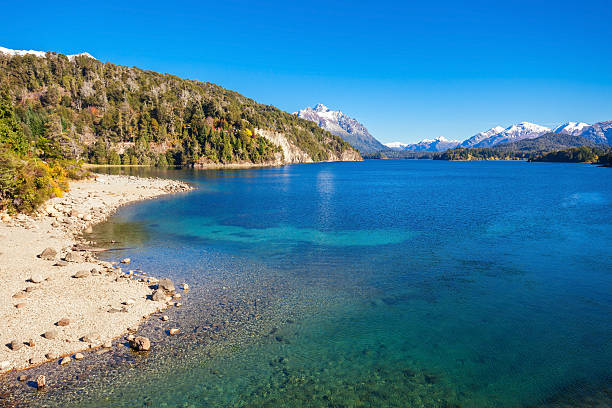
column 407, row 71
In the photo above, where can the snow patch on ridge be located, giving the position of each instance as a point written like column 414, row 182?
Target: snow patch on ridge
column 39, row 54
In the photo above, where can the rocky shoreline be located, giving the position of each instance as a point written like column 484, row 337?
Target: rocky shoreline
column 57, row 299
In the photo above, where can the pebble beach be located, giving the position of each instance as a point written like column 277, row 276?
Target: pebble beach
column 57, row 299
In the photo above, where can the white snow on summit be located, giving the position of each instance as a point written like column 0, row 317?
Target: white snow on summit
column 572, row 128
column 342, row 125
column 40, row 54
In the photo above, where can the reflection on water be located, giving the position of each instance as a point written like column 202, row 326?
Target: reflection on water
column 446, row 285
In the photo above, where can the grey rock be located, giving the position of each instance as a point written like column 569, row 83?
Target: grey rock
column 81, row 274
column 37, row 277
column 166, row 285
column 48, row 253
column 51, row 334
column 159, row 296
column 92, row 337
column 73, row 257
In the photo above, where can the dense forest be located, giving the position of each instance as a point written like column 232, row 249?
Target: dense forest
column 82, row 108
column 57, row 111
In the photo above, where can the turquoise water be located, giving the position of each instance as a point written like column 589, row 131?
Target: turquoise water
column 382, row 283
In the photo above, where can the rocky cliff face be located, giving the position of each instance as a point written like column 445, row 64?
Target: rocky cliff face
column 290, row 153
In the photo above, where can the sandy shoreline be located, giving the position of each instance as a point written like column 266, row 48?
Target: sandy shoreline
column 36, row 293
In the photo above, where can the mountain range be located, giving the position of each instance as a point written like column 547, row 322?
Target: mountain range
column 342, row 125
column 599, row 133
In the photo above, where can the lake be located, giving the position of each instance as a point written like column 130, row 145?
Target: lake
column 379, row 283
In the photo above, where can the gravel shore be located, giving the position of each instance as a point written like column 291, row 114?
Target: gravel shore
column 53, row 305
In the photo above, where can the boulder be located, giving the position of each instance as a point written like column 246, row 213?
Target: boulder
column 51, row 334
column 51, row 356
column 79, row 356
column 37, row 277
column 126, row 261
column 31, row 343
column 159, row 296
column 63, row 322
column 48, row 253
column 23, row 377
column 173, row 332
column 81, row 274
column 41, row 381
column 166, row 285
column 141, row 344
column 73, row 257
column 92, row 337
column 65, row 360
column 21, row 305
column 19, row 295
column 16, row 345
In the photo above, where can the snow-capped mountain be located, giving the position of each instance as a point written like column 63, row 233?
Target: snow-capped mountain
column 439, row 144
column 520, row 131
column 396, row 145
column 600, row 132
column 40, row 54
column 479, row 137
column 349, row 129
column 572, row 128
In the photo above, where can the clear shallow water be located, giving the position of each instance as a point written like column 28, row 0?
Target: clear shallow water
column 382, row 283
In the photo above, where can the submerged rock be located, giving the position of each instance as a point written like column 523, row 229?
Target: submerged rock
column 41, row 381
column 141, row 343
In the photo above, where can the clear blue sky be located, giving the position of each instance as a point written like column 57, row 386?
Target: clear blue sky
column 407, row 71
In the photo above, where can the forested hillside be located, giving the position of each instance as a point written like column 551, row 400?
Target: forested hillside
column 82, row 108
column 56, row 112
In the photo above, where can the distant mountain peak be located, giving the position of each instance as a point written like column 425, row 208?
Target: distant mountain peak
column 339, row 124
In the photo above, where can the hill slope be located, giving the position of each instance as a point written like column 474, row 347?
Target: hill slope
column 339, row 124
column 81, row 108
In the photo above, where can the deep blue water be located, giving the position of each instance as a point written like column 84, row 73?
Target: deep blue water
column 381, row 283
